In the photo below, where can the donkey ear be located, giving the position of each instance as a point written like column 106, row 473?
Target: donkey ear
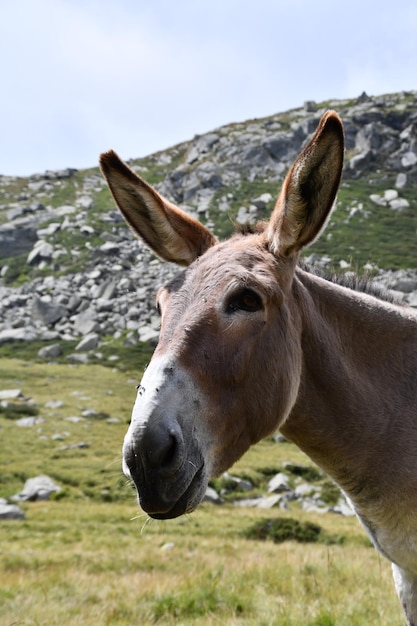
column 309, row 190
column 169, row 231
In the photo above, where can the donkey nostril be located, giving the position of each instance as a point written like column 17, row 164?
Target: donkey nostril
column 169, row 452
column 162, row 448
column 162, row 455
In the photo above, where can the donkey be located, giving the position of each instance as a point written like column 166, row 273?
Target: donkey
column 251, row 342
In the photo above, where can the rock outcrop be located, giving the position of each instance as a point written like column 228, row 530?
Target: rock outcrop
column 71, row 270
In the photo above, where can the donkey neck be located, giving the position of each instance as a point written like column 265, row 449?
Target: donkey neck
column 358, row 382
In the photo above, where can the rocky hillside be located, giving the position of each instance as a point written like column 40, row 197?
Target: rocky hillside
column 73, row 277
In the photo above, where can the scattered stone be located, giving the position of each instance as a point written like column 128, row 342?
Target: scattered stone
column 58, row 437
column 41, row 250
column 74, row 302
column 147, row 333
column 51, row 229
column 54, row 404
column 312, row 506
column 270, row 502
column 412, row 299
column 110, row 247
column 28, row 422
column 263, row 201
column 10, row 511
column 47, row 312
column 247, row 215
column 377, row 199
column 401, row 180
column 201, row 146
column 87, row 230
column 74, row 446
column 211, row 496
column 404, row 284
column 50, row 352
column 391, row 199
column 278, row 438
column 409, row 159
column 342, row 508
column 16, row 239
column 239, row 483
column 85, row 322
column 38, row 488
column 399, row 204
column 10, row 394
column 90, row 413
column 279, row 483
column 65, row 210
column 305, row 489
column 78, row 358
column 18, row 334
column 390, row 195
column 85, row 202
column 89, row 342
column 105, row 291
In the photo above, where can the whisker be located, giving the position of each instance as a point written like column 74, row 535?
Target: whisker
column 117, row 460
column 138, row 516
column 147, row 521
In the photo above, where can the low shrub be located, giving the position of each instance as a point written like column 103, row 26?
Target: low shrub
column 283, row 529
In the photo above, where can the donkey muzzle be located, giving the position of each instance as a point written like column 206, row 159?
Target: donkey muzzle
column 161, row 452
column 168, row 482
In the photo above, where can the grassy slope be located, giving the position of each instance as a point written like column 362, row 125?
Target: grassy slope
column 90, row 557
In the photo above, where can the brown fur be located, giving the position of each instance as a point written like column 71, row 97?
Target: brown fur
column 251, row 342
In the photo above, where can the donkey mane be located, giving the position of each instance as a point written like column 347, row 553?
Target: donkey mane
column 248, row 228
column 352, row 280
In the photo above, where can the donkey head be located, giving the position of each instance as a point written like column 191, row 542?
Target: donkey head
column 227, row 367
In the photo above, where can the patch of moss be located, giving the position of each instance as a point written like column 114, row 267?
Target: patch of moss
column 283, row 529
column 330, row 493
column 16, row 410
column 307, row 472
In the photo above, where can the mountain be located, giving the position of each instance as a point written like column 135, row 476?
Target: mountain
column 70, row 269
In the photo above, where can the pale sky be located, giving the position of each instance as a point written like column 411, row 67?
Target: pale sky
column 81, row 76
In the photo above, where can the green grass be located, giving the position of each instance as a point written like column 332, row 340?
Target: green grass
column 375, row 234
column 129, row 357
column 91, row 557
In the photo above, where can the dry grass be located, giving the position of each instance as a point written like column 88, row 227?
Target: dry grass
column 90, row 565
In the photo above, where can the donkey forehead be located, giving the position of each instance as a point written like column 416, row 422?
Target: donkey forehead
column 243, row 260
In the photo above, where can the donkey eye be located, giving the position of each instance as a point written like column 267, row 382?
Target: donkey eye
column 244, row 300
